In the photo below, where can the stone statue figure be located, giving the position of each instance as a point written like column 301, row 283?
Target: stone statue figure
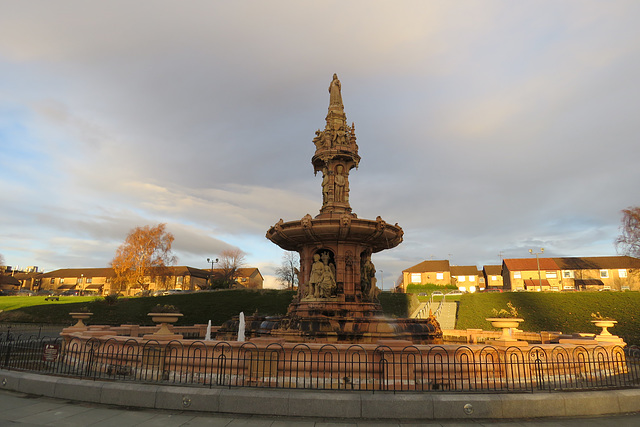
column 317, row 271
column 335, row 96
column 328, row 283
column 340, row 181
column 325, row 186
column 367, row 277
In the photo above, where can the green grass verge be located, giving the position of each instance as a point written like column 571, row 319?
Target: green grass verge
column 201, row 307
column 550, row 311
column 197, row 307
column 15, row 302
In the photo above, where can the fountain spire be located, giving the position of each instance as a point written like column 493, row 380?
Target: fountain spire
column 336, row 154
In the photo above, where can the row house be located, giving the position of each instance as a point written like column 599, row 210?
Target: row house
column 467, row 278
column 439, row 272
column 571, row 273
column 100, row 281
column 493, row 277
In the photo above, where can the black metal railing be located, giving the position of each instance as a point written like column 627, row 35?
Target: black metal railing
column 328, row 367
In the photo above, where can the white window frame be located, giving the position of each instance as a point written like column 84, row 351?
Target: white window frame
column 494, row 278
column 551, row 274
column 517, row 275
column 472, row 278
column 416, row 278
column 462, row 278
column 604, row 274
column 622, row 272
column 567, row 274
column 439, row 276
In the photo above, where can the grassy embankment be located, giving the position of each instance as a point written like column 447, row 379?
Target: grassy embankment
column 566, row 312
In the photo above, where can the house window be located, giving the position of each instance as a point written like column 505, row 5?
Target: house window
column 622, row 273
column 567, row 274
column 179, row 280
column 551, row 274
column 604, row 274
column 517, row 275
column 440, row 276
column 79, row 280
column 52, row 281
column 89, row 280
column 472, row 278
column 61, row 281
column 461, row 278
column 494, row 278
column 416, row 278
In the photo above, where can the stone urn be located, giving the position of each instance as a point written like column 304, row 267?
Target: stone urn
column 604, row 324
column 80, row 316
column 164, row 319
column 507, row 324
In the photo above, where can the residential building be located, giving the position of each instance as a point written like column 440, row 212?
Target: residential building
column 100, row 280
column 435, row 272
column 531, row 274
column 493, row 277
column 572, row 273
column 600, row 273
column 466, row 278
column 245, row 277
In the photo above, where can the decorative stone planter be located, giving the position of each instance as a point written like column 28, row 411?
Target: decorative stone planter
column 164, row 319
column 80, row 317
column 507, row 324
column 604, row 324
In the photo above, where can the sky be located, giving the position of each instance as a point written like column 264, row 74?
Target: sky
column 486, row 128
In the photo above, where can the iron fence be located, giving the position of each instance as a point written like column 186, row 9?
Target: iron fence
column 328, row 366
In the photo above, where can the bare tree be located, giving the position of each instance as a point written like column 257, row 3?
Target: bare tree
column 145, row 252
column 288, row 271
column 628, row 243
column 231, row 260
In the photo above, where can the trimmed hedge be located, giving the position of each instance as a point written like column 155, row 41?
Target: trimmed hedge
column 549, row 311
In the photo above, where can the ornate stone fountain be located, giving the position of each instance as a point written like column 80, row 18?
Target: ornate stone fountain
column 337, row 294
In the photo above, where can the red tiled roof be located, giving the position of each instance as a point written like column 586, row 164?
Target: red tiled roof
column 431, row 266
column 492, row 270
column 530, row 264
column 596, row 263
column 464, row 270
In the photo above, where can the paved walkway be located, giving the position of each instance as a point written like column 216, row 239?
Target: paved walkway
column 20, row 410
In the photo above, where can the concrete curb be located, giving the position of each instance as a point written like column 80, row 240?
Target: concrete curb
column 328, row 404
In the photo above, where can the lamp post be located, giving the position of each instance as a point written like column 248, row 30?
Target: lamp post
column 538, row 262
column 382, row 281
column 212, row 261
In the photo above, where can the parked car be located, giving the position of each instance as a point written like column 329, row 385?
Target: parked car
column 455, row 293
column 493, row 290
column 172, row 292
column 70, row 293
column 26, row 293
column 44, row 292
column 436, row 293
column 7, row 292
column 159, row 292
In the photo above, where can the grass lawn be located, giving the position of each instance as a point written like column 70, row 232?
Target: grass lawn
column 15, row 302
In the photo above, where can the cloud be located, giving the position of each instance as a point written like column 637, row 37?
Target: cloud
column 483, row 127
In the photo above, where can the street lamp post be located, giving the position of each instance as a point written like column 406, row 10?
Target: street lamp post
column 382, row 277
column 538, row 262
column 212, row 261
